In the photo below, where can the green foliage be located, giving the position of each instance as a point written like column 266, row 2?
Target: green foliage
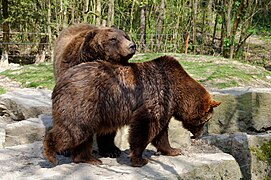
column 226, row 42
column 176, row 18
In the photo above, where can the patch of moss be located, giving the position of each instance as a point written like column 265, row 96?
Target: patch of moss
column 2, row 90
column 263, row 153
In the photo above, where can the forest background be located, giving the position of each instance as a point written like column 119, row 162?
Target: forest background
column 28, row 28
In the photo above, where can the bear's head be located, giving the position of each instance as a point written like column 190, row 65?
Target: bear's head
column 200, row 112
column 110, row 44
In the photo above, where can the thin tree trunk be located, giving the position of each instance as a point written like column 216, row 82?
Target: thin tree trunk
column 214, row 32
column 159, row 25
column 176, row 30
column 4, row 58
column 110, row 16
column 49, row 29
column 72, row 12
column 186, row 40
column 98, row 13
column 194, row 22
column 222, row 34
column 228, row 19
column 203, row 29
column 132, row 16
column 86, row 11
column 235, row 26
column 65, row 16
column 210, row 13
column 143, row 28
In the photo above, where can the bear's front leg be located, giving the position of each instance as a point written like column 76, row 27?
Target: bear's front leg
column 106, row 145
column 161, row 142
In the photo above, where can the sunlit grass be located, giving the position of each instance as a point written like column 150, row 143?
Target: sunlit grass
column 33, row 76
column 212, row 72
column 2, row 90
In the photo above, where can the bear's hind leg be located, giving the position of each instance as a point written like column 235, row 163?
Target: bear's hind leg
column 140, row 136
column 106, row 145
column 49, row 147
column 83, row 153
column 161, row 142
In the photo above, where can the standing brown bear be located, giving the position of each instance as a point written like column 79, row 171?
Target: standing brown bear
column 84, row 43
column 100, row 97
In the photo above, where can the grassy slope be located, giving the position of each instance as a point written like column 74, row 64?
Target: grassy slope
column 212, row 72
column 32, row 76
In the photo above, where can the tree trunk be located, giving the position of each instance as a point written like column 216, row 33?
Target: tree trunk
column 186, row 40
column 235, row 26
column 86, row 11
column 214, row 32
column 110, row 15
column 210, row 14
column 49, row 30
column 143, row 28
column 4, row 58
column 98, row 13
column 159, row 25
column 132, row 16
column 194, row 23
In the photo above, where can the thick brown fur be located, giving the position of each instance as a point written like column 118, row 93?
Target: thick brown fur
column 100, row 97
column 84, row 43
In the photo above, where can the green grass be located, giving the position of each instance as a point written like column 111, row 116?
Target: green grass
column 2, row 90
column 212, row 72
column 33, row 76
column 216, row 72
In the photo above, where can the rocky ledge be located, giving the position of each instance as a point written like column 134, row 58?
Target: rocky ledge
column 231, row 149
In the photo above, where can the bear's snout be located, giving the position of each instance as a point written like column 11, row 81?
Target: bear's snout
column 132, row 46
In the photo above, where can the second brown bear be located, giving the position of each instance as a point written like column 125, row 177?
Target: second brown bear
column 100, row 97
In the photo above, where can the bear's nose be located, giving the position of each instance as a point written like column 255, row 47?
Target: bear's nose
column 132, row 46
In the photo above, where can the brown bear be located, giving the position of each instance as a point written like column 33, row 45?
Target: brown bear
column 100, row 97
column 83, row 43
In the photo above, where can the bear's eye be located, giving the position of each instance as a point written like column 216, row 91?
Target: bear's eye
column 113, row 39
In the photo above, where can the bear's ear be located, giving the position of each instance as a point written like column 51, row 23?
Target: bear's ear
column 215, row 104
column 90, row 35
column 114, row 26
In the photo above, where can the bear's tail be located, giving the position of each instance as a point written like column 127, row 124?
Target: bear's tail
column 49, row 148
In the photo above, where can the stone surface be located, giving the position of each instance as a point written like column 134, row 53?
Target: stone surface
column 33, row 129
column 27, row 162
column 26, row 131
column 242, row 110
column 25, row 103
column 243, row 148
column 178, row 136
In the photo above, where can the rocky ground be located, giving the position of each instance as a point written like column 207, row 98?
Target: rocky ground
column 22, row 130
column 10, row 85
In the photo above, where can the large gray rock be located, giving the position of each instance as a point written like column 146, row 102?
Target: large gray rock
column 27, row 162
column 33, row 129
column 178, row 136
column 27, row 131
column 25, row 103
column 252, row 152
column 242, row 110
